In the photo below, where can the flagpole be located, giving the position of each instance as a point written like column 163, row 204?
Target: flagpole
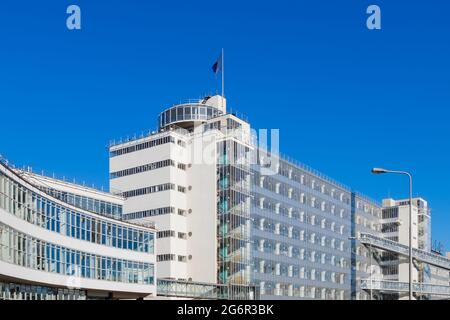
column 223, row 76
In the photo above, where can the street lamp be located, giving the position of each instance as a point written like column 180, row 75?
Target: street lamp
column 381, row 171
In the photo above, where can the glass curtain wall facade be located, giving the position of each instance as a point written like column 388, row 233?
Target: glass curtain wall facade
column 233, row 174
column 301, row 231
column 45, row 213
column 104, row 208
column 23, row 250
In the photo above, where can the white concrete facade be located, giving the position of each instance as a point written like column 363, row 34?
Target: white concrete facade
column 183, row 156
column 395, row 226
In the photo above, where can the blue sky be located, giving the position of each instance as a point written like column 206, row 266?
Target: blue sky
column 344, row 98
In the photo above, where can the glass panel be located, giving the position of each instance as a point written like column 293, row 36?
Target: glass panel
column 194, row 112
column 167, row 117
column 173, row 115
column 187, row 112
column 179, row 113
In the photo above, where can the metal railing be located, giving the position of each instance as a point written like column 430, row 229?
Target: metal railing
column 203, row 291
column 396, row 286
column 392, row 246
column 192, row 290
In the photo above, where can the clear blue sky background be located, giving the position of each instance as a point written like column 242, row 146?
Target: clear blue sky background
column 344, row 98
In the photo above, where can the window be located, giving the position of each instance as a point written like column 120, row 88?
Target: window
column 389, row 213
column 148, row 190
column 166, row 234
column 389, row 227
column 165, row 257
column 143, row 168
column 148, row 213
column 142, row 146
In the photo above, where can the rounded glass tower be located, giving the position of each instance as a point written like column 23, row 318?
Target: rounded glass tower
column 188, row 115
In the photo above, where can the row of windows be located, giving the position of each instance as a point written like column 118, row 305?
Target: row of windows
column 293, row 271
column 294, row 213
column 308, row 292
column 44, row 213
column 15, row 291
column 297, row 175
column 390, row 213
column 142, row 146
column 275, row 205
column 143, row 168
column 187, row 112
column 305, row 218
column 298, row 234
column 171, row 257
column 148, row 213
column 108, row 209
column 166, row 234
column 171, row 234
column 283, row 249
column 23, row 250
column 148, row 190
column 165, row 257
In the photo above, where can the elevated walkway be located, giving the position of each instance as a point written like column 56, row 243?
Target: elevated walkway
column 395, row 286
column 392, row 246
column 205, row 291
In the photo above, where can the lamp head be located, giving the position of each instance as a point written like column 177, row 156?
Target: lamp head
column 379, row 170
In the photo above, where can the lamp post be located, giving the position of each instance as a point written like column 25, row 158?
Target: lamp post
column 381, row 171
column 371, row 271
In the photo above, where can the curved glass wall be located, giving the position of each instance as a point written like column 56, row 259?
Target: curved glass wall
column 23, row 250
column 108, row 209
column 187, row 112
column 43, row 212
column 18, row 291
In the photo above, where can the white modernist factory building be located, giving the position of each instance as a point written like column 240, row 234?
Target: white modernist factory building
column 198, row 210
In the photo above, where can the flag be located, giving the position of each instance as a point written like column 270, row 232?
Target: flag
column 217, row 66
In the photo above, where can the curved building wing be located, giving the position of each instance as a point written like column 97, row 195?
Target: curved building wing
column 50, row 249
